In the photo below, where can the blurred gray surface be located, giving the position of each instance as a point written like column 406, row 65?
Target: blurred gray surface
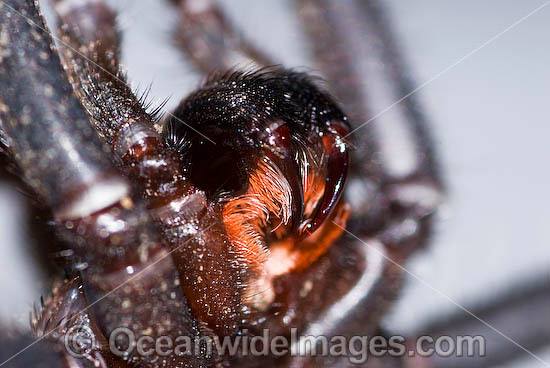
column 490, row 117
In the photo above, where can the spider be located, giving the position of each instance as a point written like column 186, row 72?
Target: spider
column 227, row 216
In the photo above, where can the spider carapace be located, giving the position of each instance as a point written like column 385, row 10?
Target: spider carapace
column 224, row 217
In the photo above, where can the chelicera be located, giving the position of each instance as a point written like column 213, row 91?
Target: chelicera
column 224, row 217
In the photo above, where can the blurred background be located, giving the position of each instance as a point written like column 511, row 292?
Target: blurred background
column 489, row 115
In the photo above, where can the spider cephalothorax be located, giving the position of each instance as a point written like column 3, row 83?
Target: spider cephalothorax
column 223, row 218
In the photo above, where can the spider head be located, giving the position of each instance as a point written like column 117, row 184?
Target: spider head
column 268, row 148
column 275, row 121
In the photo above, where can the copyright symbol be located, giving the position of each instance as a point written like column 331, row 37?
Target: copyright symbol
column 79, row 341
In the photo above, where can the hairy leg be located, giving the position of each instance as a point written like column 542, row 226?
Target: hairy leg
column 394, row 156
column 188, row 221
column 67, row 165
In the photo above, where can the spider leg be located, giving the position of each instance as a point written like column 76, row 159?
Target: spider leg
column 68, row 166
column 398, row 186
column 357, row 54
column 209, row 39
column 45, row 123
column 91, row 58
column 510, row 312
column 39, row 355
column 393, row 192
column 188, row 221
column 63, row 313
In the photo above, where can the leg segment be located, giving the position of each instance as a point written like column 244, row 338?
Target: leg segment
column 189, row 222
column 398, row 190
column 399, row 186
column 211, row 42
column 66, row 163
column 91, row 57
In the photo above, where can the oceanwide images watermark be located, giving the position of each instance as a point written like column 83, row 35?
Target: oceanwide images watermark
column 79, row 342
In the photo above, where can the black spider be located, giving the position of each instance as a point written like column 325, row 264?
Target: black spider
column 223, row 218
